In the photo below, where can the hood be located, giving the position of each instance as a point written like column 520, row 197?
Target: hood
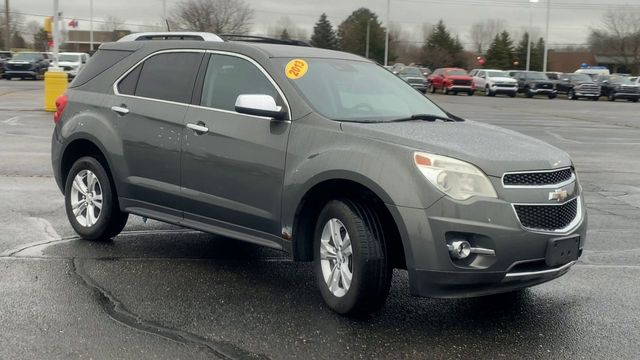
column 68, row 63
column 503, row 79
column 459, row 77
column 493, row 149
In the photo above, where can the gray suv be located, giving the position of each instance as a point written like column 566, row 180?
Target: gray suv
column 322, row 154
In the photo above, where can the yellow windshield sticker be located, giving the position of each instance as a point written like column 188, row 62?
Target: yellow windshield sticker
column 296, row 69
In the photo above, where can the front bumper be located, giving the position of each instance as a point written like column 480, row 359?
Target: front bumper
column 518, row 262
column 504, row 89
column 543, row 91
column 460, row 88
column 20, row 73
column 419, row 87
column 628, row 96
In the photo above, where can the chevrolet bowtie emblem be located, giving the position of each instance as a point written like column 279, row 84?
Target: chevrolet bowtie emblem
column 560, row 195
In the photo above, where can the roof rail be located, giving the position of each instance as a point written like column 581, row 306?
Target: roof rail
column 172, row 35
column 262, row 39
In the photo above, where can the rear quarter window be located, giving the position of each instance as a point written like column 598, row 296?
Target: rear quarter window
column 97, row 64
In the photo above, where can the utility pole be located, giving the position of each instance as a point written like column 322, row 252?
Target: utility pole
column 546, row 38
column 56, row 33
column 531, row 2
column 366, row 51
column 386, row 35
column 7, row 27
column 91, row 25
column 164, row 10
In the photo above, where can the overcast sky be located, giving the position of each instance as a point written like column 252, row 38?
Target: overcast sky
column 570, row 19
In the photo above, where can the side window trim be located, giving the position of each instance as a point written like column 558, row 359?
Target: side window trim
column 197, row 104
column 141, row 62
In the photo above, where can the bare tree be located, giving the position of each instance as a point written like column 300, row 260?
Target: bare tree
column 619, row 36
column 285, row 24
column 112, row 23
column 217, row 16
column 483, row 33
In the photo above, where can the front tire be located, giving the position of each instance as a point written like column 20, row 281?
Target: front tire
column 351, row 265
column 611, row 97
column 572, row 95
column 91, row 201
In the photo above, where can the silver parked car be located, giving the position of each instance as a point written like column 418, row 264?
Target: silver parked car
column 322, row 154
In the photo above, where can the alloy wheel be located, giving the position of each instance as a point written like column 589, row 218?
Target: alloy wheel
column 336, row 257
column 86, row 198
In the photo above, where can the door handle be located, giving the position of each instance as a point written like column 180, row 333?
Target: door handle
column 121, row 110
column 199, row 128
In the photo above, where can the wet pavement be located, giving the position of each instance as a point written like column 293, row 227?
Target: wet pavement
column 159, row 291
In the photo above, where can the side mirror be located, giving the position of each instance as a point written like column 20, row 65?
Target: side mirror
column 259, row 105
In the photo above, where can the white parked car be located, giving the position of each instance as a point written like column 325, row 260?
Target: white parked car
column 494, row 82
column 72, row 62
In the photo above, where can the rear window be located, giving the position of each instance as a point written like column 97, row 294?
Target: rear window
column 97, row 64
column 169, row 76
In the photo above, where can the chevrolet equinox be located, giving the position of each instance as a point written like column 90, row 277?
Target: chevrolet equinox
column 322, row 154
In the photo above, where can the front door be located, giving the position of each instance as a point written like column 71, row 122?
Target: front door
column 232, row 172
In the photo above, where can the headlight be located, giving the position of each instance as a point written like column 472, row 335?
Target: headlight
column 458, row 179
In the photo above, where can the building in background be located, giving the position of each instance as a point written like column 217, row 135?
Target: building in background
column 79, row 40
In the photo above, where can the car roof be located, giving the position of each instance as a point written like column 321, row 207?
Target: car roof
column 270, row 50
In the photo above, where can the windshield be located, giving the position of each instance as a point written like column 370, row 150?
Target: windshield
column 497, row 74
column 581, row 77
column 620, row 80
column 27, row 56
column 456, row 72
column 536, row 76
column 358, row 91
column 411, row 71
column 69, row 57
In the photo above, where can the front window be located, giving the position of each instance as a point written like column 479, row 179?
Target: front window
column 359, row 91
column 411, row 71
column 537, row 76
column 27, row 56
column 624, row 80
column 498, row 74
column 69, row 58
column 457, row 73
column 581, row 78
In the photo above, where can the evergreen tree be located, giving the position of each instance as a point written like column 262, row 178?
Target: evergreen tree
column 323, row 34
column 352, row 35
column 40, row 40
column 500, row 53
column 537, row 54
column 441, row 49
column 284, row 35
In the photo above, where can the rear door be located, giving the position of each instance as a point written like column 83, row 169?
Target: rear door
column 149, row 107
column 232, row 174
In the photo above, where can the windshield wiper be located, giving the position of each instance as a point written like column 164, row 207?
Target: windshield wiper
column 425, row 117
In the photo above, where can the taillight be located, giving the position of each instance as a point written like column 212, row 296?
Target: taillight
column 61, row 102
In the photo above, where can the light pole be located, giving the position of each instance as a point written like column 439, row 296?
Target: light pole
column 546, row 38
column 7, row 26
column 366, row 48
column 531, row 2
column 91, row 25
column 386, row 35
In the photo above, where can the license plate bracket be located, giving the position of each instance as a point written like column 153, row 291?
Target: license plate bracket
column 562, row 251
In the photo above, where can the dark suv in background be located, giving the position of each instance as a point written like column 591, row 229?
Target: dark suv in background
column 533, row 83
column 616, row 87
column 26, row 65
column 414, row 77
column 577, row 86
column 322, row 154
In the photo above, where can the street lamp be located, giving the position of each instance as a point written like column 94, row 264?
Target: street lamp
column 366, row 51
column 531, row 2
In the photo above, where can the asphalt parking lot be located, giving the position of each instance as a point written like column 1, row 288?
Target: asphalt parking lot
column 158, row 291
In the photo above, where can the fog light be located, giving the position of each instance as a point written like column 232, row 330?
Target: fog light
column 459, row 249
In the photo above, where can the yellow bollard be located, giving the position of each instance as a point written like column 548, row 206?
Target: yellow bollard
column 55, row 84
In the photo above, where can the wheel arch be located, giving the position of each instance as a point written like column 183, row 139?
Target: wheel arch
column 81, row 146
column 356, row 188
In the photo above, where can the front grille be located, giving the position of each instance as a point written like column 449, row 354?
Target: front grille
column 547, row 217
column 629, row 89
column 462, row 82
column 66, row 68
column 537, row 178
column 18, row 66
column 417, row 81
column 544, row 86
column 505, row 85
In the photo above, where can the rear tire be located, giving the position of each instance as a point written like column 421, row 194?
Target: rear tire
column 358, row 283
column 552, row 96
column 611, row 97
column 91, row 201
column 513, row 94
column 471, row 93
column 528, row 93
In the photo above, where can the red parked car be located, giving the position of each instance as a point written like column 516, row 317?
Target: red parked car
column 451, row 80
